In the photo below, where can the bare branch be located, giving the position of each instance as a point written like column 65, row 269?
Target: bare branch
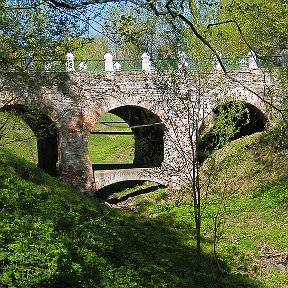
column 174, row 14
column 66, row 5
column 155, row 10
column 203, row 40
column 239, row 29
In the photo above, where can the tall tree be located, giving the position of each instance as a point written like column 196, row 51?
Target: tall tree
column 255, row 25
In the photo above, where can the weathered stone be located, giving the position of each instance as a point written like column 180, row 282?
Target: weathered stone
column 165, row 99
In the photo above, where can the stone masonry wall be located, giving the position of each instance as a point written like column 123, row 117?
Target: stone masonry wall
column 78, row 100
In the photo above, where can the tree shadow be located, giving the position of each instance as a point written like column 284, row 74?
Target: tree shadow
column 141, row 252
column 103, row 247
column 140, row 191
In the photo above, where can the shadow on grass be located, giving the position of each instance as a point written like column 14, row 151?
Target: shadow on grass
column 96, row 246
column 138, row 252
column 140, row 191
column 107, row 191
column 11, row 163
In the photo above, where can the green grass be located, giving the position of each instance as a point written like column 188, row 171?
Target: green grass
column 54, row 236
column 249, row 190
column 17, row 137
column 111, row 149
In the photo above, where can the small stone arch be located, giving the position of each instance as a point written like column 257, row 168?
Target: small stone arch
column 120, row 178
column 45, row 131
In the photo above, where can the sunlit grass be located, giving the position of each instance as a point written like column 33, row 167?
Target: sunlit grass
column 17, row 137
column 63, row 238
column 111, row 149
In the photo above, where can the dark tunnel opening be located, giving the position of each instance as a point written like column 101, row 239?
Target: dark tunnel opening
column 252, row 121
column 147, row 131
column 45, row 132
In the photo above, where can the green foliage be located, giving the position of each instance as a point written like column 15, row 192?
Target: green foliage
column 277, row 136
column 40, row 33
column 263, row 25
column 228, row 121
column 136, row 30
column 93, row 48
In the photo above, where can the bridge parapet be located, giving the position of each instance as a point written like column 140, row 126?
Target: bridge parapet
column 180, row 62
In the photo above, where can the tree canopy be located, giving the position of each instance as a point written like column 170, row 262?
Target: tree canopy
column 228, row 27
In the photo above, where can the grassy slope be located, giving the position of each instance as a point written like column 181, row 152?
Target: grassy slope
column 248, row 189
column 53, row 236
column 17, row 137
column 103, row 149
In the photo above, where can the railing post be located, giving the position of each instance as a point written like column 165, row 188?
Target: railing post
column 146, row 63
column 182, row 62
column 243, row 63
column 83, row 66
column 108, row 62
column 70, row 62
column 252, row 63
column 117, row 66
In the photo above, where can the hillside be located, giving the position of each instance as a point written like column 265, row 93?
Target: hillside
column 54, row 236
column 246, row 187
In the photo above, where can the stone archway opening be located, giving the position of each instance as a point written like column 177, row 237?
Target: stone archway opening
column 41, row 140
column 140, row 131
column 111, row 143
column 252, row 121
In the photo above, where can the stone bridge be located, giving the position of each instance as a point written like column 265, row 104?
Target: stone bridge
column 62, row 109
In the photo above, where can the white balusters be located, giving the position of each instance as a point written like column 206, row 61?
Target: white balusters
column 70, row 62
column 243, row 63
column 216, row 63
column 117, row 66
column 109, row 66
column 146, row 63
column 108, row 62
column 83, row 66
column 182, row 62
column 252, row 63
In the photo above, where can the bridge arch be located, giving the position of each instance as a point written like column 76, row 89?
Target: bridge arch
column 148, row 133
column 147, row 130
column 256, row 123
column 45, row 131
column 253, row 120
column 106, row 181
